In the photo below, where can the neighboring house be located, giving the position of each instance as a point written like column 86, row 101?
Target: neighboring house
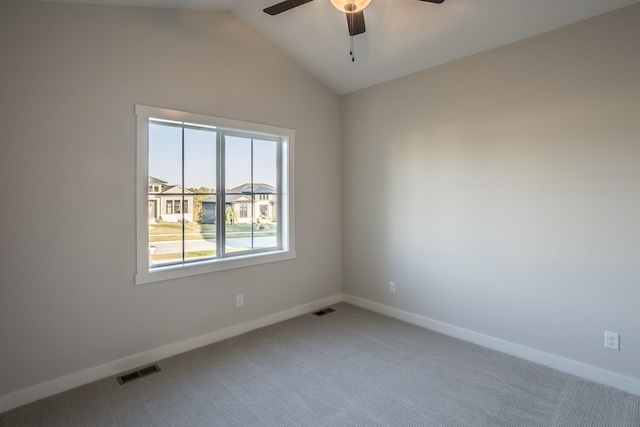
column 244, row 210
column 166, row 202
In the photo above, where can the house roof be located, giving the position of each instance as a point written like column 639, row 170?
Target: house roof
column 241, row 193
column 173, row 189
column 258, row 188
column 154, row 180
column 228, row 199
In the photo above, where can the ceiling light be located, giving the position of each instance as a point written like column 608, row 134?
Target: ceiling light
column 350, row 6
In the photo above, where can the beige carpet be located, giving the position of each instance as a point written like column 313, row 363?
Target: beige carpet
column 351, row 367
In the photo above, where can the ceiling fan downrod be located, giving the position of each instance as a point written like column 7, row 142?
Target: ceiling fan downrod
column 353, row 58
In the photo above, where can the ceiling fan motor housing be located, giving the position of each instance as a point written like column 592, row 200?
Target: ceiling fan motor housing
column 350, row 6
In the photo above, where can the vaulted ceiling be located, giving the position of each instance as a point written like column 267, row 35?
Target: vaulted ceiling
column 402, row 36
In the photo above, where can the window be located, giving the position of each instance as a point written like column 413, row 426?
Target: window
column 212, row 169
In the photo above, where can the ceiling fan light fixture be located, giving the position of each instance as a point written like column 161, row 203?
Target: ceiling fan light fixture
column 350, row 6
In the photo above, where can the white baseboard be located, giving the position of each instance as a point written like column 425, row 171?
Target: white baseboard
column 569, row 366
column 58, row 385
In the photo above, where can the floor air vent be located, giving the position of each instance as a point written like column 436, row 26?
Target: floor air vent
column 323, row 312
column 126, row 378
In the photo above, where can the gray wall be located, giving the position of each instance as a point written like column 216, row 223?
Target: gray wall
column 70, row 78
column 501, row 192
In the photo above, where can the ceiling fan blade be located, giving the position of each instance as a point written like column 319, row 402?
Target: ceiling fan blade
column 434, row 1
column 356, row 23
column 284, row 6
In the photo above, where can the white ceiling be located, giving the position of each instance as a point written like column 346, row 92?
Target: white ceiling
column 402, row 37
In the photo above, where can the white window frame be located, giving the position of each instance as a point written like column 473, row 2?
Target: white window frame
column 285, row 251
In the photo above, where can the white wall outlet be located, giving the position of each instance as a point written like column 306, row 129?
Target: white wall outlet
column 612, row 340
column 239, row 300
column 392, row 287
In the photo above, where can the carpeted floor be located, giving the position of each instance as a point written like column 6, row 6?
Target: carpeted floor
column 351, row 367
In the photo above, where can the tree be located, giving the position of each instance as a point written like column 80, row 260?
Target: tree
column 230, row 216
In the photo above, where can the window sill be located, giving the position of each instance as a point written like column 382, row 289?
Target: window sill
column 194, row 269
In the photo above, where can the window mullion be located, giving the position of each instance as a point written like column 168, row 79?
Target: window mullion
column 182, row 200
column 253, row 201
column 220, row 195
column 279, row 200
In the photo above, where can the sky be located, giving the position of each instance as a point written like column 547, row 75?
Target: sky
column 165, row 157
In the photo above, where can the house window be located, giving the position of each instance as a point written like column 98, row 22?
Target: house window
column 211, row 164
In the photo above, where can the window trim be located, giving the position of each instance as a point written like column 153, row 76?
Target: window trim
column 287, row 235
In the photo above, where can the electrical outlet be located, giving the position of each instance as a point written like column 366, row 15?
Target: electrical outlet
column 392, row 287
column 239, row 300
column 612, row 340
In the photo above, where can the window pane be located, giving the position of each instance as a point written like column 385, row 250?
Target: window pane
column 251, row 177
column 237, row 163
column 238, row 200
column 265, row 173
column 165, row 155
column 200, row 160
column 165, row 172
column 265, row 157
column 200, row 188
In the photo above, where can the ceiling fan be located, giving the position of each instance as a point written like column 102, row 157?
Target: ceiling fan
column 354, row 9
